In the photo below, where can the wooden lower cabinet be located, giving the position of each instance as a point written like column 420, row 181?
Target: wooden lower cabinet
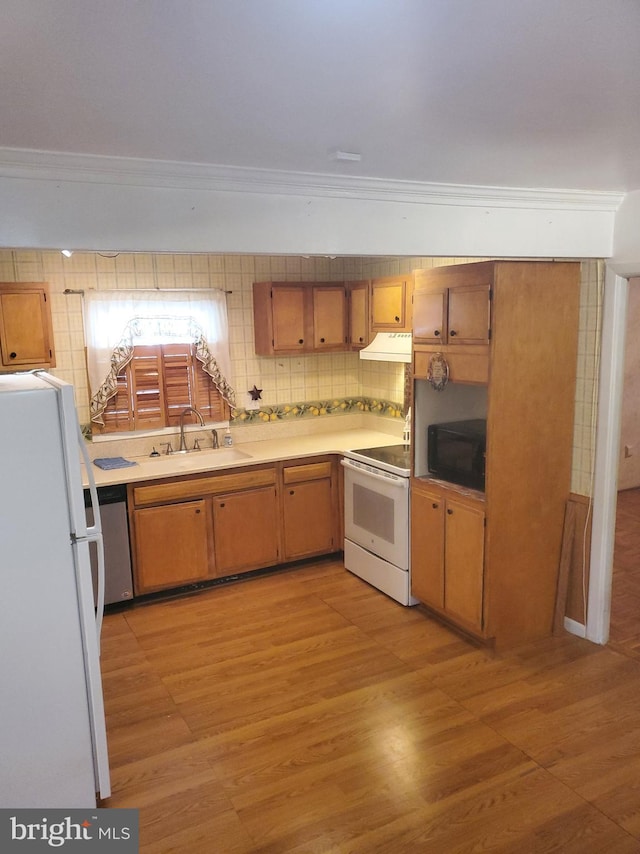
column 192, row 529
column 245, row 527
column 464, row 562
column 172, row 546
column 309, row 504
column 447, row 554
column 427, row 547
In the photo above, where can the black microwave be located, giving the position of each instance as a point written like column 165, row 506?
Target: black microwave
column 456, row 451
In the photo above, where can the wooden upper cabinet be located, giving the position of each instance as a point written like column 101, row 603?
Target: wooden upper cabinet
column 452, row 309
column 26, row 334
column 358, row 314
column 430, row 316
column 289, row 318
column 391, row 304
column 299, row 317
column 329, row 317
column 469, row 314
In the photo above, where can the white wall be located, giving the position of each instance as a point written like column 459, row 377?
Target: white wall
column 629, row 454
column 79, row 202
column 625, row 259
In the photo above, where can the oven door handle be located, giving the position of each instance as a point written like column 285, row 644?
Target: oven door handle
column 387, row 477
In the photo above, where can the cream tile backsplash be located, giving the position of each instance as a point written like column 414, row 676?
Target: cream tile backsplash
column 284, row 381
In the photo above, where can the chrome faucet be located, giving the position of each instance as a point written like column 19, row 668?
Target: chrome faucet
column 183, row 444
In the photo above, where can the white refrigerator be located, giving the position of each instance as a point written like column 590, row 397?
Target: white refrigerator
column 53, row 742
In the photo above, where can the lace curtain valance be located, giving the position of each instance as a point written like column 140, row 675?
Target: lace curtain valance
column 115, row 321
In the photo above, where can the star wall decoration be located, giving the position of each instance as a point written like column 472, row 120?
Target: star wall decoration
column 256, row 393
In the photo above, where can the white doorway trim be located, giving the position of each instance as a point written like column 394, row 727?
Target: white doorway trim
column 614, row 323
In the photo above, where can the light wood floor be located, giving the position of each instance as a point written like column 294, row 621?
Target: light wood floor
column 307, row 712
column 624, row 632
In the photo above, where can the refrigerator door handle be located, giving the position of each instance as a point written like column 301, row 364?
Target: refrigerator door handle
column 100, row 585
column 94, row 534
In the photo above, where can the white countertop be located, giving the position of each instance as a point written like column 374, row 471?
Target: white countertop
column 253, row 453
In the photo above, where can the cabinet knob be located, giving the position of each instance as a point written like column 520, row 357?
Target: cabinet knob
column 449, row 511
column 197, row 511
column 322, row 340
column 292, row 492
column 397, row 319
column 435, row 505
column 221, row 505
column 361, row 339
column 300, row 340
column 436, row 332
column 453, row 333
column 13, row 355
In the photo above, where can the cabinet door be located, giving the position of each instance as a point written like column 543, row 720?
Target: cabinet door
column 464, row 561
column 329, row 317
column 308, row 519
column 171, row 545
column 389, row 305
column 245, row 531
column 358, row 314
column 26, row 339
column 469, row 314
column 429, row 316
column 427, row 547
column 288, row 304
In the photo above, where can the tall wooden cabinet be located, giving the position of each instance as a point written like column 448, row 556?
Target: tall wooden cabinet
column 501, row 549
column 26, row 333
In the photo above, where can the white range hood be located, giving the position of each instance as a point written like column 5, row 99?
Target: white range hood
column 388, row 347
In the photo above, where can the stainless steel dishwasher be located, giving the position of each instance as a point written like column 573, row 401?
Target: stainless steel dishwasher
column 115, row 532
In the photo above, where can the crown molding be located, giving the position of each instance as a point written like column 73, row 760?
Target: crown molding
column 31, row 164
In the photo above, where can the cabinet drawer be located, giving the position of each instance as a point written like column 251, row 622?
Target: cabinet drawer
column 309, row 471
column 467, row 367
column 155, row 493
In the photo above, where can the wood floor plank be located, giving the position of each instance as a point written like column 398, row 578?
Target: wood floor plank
column 307, row 712
column 624, row 631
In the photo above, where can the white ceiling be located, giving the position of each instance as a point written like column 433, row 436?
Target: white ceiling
column 511, row 93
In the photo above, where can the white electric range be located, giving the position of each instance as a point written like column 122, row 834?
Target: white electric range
column 377, row 523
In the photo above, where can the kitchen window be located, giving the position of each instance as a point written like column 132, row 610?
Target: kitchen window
column 152, row 354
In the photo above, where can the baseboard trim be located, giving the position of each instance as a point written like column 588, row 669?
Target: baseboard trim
column 575, row 628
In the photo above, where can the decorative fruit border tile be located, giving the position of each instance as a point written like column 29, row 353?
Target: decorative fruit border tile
column 318, row 409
